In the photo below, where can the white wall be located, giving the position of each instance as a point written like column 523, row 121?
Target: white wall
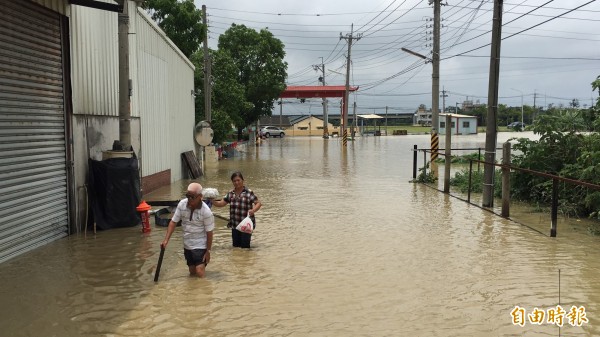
column 94, row 61
column 164, row 100
column 458, row 128
column 162, row 107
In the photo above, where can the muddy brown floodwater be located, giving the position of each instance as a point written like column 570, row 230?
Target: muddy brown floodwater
column 344, row 245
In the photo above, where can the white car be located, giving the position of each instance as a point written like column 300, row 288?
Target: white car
column 272, row 131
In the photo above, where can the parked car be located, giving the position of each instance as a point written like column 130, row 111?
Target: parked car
column 268, row 131
column 516, row 126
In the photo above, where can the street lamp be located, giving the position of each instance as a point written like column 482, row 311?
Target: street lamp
column 435, row 96
column 522, row 121
column 427, row 59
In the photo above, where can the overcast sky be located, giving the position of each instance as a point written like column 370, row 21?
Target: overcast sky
column 554, row 62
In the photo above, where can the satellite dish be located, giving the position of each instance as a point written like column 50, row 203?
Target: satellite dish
column 203, row 133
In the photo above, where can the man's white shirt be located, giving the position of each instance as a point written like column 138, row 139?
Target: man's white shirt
column 194, row 231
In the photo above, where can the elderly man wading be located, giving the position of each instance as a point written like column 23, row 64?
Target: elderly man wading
column 197, row 223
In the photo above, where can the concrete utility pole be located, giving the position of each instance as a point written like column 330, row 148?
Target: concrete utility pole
column 447, row 151
column 354, row 127
column 349, row 38
column 492, row 115
column 386, row 110
column 124, row 81
column 435, row 80
column 281, row 113
column 443, row 96
column 534, row 108
column 207, row 70
column 325, row 118
column 522, row 119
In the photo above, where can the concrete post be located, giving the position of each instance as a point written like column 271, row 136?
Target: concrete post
column 124, row 82
column 448, row 153
column 491, row 128
column 506, row 180
column 207, row 70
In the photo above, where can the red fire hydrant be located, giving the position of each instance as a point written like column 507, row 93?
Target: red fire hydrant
column 143, row 209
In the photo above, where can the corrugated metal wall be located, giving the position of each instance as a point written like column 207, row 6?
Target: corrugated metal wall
column 95, row 61
column 162, row 96
column 165, row 81
column 33, row 155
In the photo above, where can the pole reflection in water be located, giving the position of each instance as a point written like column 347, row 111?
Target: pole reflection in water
column 344, row 245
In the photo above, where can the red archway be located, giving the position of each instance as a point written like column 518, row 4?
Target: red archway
column 316, row 91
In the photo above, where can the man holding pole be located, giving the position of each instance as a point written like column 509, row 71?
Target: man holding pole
column 197, row 223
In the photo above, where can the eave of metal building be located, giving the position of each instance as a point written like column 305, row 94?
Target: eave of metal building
column 151, row 22
column 105, row 6
column 60, row 6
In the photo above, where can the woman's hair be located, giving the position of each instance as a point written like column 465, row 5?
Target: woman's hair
column 237, row 174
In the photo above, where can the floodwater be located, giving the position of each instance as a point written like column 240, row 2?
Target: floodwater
column 345, row 245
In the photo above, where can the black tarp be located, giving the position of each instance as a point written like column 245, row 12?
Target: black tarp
column 115, row 192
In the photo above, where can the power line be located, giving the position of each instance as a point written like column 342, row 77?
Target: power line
column 538, row 57
column 386, row 25
column 381, row 12
column 524, row 30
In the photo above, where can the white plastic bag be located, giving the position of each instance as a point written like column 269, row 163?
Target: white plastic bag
column 210, row 193
column 246, row 225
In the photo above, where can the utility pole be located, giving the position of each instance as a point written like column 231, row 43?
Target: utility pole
column 448, row 145
column 435, row 80
column 354, row 127
column 349, row 39
column 281, row 113
column 207, row 70
column 386, row 129
column 443, row 96
column 522, row 119
column 325, row 117
column 491, row 129
column 355, row 120
column 124, row 81
column 534, row 109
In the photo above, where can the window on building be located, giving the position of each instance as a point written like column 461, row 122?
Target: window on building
column 303, row 128
column 453, row 125
column 466, row 124
column 442, row 124
column 319, row 128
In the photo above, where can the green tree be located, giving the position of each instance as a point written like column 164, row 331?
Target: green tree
column 259, row 68
column 180, row 20
column 227, row 94
column 221, row 125
column 198, row 60
column 480, row 112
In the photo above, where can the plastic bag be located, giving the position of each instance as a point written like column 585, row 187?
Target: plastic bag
column 210, row 193
column 246, row 225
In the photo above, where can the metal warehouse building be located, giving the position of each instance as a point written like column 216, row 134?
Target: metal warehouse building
column 59, row 106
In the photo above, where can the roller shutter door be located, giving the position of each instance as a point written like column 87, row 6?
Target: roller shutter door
column 33, row 169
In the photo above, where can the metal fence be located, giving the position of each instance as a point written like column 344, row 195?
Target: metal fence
column 506, row 169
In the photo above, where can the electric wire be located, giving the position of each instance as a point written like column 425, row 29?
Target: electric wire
column 524, row 30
